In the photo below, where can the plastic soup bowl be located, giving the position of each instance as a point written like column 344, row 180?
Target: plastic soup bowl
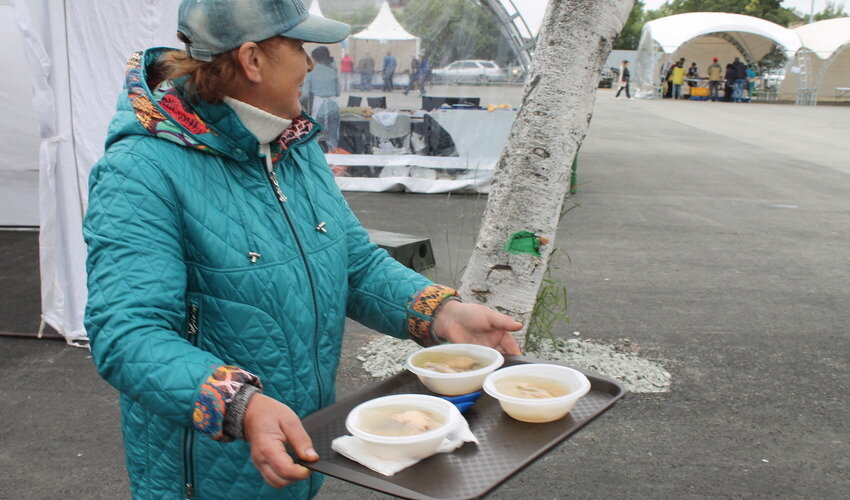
column 539, row 410
column 405, row 447
column 455, row 384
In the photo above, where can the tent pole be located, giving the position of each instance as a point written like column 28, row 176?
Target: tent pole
column 31, row 336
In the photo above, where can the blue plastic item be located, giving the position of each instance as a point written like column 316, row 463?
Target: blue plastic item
column 463, row 402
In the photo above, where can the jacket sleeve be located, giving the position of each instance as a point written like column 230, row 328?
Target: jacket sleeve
column 385, row 295
column 137, row 306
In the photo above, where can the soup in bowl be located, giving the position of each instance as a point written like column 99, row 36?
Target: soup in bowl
column 403, row 426
column 454, row 369
column 537, row 392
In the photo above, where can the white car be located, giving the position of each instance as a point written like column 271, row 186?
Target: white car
column 470, row 70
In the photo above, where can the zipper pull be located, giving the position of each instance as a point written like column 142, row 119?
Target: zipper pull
column 276, row 186
column 253, row 256
column 321, row 227
column 192, row 327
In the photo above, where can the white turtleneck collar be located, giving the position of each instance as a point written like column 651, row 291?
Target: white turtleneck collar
column 265, row 126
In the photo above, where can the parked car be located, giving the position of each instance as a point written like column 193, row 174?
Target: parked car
column 469, row 71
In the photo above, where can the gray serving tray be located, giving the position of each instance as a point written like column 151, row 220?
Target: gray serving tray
column 506, row 445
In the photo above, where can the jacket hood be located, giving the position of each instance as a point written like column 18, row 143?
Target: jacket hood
column 151, row 106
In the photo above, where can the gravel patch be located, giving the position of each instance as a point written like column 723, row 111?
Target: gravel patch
column 385, row 356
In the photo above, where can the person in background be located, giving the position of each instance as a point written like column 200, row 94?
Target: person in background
column 693, row 74
column 388, row 71
column 366, row 68
column 624, row 80
column 729, row 83
column 677, row 77
column 752, row 76
column 346, row 67
column 715, row 77
column 669, row 77
column 321, row 88
column 423, row 74
column 740, row 73
column 414, row 74
column 223, row 261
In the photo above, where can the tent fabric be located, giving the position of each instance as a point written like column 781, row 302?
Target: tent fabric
column 699, row 37
column 826, row 59
column 76, row 52
column 671, row 32
column 825, row 38
column 19, row 130
column 834, row 74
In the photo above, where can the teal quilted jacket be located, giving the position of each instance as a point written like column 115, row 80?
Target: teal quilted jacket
column 206, row 272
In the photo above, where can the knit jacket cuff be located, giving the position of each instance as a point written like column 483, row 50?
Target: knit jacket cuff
column 216, row 393
column 422, row 310
column 234, row 415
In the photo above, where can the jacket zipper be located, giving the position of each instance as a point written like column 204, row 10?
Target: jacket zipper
column 188, row 434
column 282, row 200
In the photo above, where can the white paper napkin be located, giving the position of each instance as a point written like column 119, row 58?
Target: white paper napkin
column 352, row 448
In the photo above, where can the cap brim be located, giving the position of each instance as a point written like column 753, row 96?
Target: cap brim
column 317, row 29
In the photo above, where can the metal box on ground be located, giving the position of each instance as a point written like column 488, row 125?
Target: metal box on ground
column 412, row 251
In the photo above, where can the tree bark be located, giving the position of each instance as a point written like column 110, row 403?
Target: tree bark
column 533, row 174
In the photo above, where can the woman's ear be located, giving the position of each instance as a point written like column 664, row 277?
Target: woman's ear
column 250, row 59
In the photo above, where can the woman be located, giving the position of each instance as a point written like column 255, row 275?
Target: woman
column 223, row 260
column 623, row 80
column 321, row 88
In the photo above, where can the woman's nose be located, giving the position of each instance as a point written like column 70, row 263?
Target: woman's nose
column 310, row 63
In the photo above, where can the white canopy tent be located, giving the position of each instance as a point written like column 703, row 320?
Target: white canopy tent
column 701, row 36
column 383, row 35
column 822, row 65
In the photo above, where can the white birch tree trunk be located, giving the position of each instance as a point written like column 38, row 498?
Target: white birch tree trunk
column 533, row 174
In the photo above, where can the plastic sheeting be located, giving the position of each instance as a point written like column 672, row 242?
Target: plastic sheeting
column 76, row 51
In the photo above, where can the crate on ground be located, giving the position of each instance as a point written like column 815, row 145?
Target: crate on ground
column 699, row 91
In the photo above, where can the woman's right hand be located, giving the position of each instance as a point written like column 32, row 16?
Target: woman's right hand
column 268, row 425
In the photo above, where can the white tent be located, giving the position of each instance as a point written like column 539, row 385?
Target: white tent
column 18, row 128
column 73, row 104
column 383, row 35
column 701, row 36
column 822, row 65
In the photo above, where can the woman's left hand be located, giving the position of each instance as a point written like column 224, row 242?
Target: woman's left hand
column 459, row 322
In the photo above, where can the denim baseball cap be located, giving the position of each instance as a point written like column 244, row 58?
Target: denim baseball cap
column 216, row 26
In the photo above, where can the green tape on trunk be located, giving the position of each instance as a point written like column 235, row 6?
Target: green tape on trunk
column 523, row 242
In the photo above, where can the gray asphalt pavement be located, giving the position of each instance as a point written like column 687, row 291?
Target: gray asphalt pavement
column 719, row 250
